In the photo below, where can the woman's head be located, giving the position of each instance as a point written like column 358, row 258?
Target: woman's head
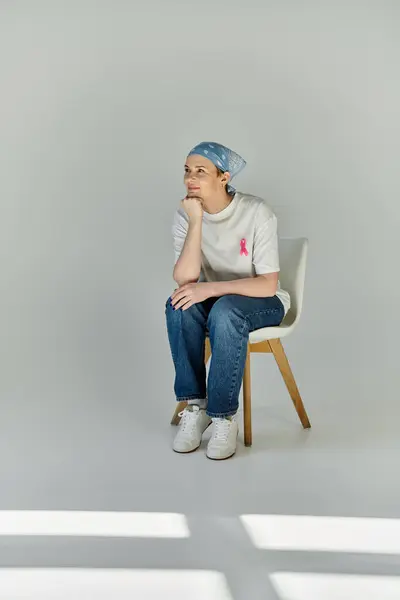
column 202, row 178
column 209, row 168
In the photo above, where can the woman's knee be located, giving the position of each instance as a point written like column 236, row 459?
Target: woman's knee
column 224, row 312
column 177, row 314
column 169, row 311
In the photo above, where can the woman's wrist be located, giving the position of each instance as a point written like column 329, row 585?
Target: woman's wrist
column 195, row 221
column 213, row 289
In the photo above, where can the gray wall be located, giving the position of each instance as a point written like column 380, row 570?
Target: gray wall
column 100, row 102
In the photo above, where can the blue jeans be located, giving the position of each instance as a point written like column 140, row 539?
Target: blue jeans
column 228, row 321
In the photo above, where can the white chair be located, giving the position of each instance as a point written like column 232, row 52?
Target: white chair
column 293, row 259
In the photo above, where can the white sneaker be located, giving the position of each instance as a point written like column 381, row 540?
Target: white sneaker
column 194, row 422
column 223, row 438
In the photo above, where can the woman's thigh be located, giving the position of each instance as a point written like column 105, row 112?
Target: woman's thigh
column 258, row 312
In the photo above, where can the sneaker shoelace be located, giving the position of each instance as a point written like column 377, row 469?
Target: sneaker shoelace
column 188, row 420
column 221, row 430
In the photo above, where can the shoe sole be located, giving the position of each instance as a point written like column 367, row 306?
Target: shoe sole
column 219, row 459
column 194, row 449
column 186, row 451
column 225, row 457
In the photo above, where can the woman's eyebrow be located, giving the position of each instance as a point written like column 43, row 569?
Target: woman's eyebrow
column 196, row 167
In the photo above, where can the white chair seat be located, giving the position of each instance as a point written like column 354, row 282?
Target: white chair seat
column 273, row 333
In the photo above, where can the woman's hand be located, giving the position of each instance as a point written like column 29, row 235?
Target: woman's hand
column 193, row 208
column 189, row 294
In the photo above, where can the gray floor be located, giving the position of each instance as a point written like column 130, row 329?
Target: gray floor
column 76, row 456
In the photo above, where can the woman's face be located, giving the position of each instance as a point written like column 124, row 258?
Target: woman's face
column 202, row 177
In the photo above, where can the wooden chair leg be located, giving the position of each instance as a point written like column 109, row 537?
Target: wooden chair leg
column 248, row 437
column 286, row 371
column 182, row 405
column 179, row 408
column 207, row 351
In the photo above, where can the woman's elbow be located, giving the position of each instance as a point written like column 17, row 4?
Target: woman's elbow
column 182, row 278
column 270, row 283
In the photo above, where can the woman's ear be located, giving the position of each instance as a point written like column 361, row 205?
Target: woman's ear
column 225, row 178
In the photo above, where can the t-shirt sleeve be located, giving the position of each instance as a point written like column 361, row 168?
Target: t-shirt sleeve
column 265, row 248
column 179, row 232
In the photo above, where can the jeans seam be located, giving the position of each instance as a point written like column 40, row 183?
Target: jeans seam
column 192, row 397
column 228, row 413
column 263, row 312
column 234, row 376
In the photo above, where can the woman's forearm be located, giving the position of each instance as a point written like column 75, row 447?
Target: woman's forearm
column 188, row 266
column 256, row 287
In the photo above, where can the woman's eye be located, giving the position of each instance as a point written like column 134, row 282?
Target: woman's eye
column 201, row 171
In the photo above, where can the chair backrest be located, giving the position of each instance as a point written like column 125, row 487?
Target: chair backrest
column 293, row 260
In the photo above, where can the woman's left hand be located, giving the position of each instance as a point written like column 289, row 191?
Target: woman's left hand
column 189, row 294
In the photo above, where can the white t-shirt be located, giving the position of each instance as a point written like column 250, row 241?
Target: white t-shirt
column 240, row 241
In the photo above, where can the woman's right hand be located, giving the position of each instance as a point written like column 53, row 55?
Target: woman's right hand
column 193, row 208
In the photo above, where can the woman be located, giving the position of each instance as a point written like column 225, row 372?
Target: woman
column 226, row 267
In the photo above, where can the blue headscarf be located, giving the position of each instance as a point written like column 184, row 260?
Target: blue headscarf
column 222, row 157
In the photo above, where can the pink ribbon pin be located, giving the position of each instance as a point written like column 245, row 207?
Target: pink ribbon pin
column 243, row 249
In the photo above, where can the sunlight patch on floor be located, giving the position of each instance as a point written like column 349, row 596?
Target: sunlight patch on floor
column 112, row 584
column 323, row 534
column 91, row 523
column 316, row 586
